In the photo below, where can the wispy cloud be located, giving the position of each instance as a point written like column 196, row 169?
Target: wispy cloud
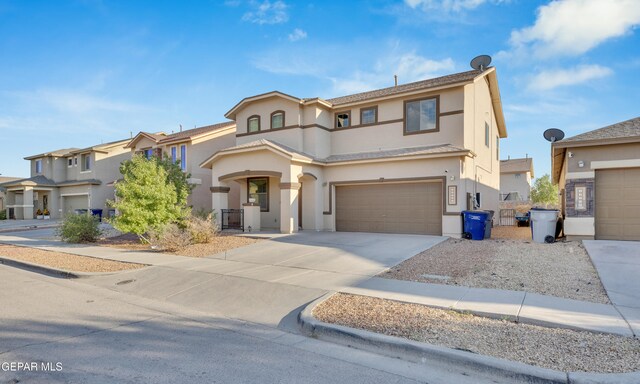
column 554, row 78
column 267, row 12
column 573, row 27
column 76, row 102
column 449, row 5
column 297, row 34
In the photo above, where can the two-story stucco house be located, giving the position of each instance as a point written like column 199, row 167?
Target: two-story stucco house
column 404, row 159
column 598, row 174
column 515, row 179
column 190, row 148
column 67, row 180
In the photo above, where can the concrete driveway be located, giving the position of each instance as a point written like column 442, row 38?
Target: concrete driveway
column 618, row 265
column 268, row 281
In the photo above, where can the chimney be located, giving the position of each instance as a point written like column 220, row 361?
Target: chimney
column 395, row 80
column 509, row 157
column 180, row 127
column 526, row 155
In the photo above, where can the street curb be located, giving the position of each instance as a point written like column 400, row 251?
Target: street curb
column 418, row 352
column 50, row 271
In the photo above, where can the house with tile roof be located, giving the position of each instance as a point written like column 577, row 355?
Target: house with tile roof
column 403, row 159
column 515, row 179
column 66, row 180
column 189, row 148
column 598, row 175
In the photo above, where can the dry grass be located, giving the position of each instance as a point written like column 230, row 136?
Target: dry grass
column 562, row 269
column 65, row 261
column 559, row 349
column 511, row 233
column 220, row 243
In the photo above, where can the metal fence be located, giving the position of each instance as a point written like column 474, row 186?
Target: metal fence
column 507, row 217
column 233, row 219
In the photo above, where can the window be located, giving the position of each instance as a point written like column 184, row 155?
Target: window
column 343, row 119
column 253, row 124
column 486, row 134
column 75, row 161
column 518, row 175
column 69, row 161
column 86, row 162
column 174, row 154
column 258, row 189
column 183, row 157
column 39, row 166
column 369, row 115
column 148, row 153
column 277, row 119
column 421, row 116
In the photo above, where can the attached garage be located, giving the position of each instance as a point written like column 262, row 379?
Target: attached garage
column 71, row 203
column 617, row 204
column 412, row 208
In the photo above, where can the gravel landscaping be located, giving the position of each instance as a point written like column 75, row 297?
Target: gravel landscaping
column 220, row 243
column 64, row 261
column 562, row 269
column 553, row 348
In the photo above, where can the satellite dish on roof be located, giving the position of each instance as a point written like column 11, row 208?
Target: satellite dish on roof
column 481, row 62
column 553, row 135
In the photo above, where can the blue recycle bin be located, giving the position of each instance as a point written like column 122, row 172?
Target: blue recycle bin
column 474, row 224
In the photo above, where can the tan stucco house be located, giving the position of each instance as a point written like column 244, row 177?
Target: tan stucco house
column 66, row 180
column 190, row 148
column 3, row 196
column 598, row 175
column 515, row 179
column 404, row 159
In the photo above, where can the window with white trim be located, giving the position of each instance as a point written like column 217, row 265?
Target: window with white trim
column 174, row 154
column 85, row 161
column 39, row 166
column 183, row 157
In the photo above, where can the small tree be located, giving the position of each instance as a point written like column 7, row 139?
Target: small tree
column 176, row 177
column 146, row 198
column 544, row 192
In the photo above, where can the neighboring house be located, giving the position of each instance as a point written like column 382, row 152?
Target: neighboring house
column 67, row 180
column 515, row 179
column 404, row 159
column 598, row 174
column 3, row 196
column 190, row 148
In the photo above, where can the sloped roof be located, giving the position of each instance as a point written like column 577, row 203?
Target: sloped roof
column 625, row 129
column 418, row 85
column 191, row 133
column 517, row 166
column 35, row 180
column 101, row 147
column 56, row 153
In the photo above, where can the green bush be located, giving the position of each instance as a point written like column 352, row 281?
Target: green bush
column 79, row 229
column 3, row 215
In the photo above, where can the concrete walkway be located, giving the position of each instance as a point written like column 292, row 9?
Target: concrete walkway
column 618, row 265
column 21, row 225
column 270, row 281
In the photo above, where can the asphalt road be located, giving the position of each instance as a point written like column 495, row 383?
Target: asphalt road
column 68, row 332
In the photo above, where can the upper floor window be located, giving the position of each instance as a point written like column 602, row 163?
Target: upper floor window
column 277, row 119
column 86, row 162
column 343, row 119
column 174, row 154
column 39, row 166
column 148, row 153
column 75, row 161
column 369, row 115
column 486, row 134
column 518, row 175
column 253, row 123
column 69, row 161
column 183, row 157
column 421, row 115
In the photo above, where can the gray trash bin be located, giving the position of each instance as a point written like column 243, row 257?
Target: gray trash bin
column 488, row 225
column 543, row 225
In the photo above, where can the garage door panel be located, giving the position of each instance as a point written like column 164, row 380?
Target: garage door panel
column 617, row 204
column 390, row 208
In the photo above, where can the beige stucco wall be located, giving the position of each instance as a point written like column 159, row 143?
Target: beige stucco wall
column 264, row 108
column 600, row 153
column 522, row 184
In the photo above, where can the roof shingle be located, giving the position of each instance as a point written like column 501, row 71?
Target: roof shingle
column 189, row 133
column 624, row 129
column 517, row 165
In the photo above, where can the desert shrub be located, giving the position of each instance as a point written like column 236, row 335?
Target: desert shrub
column 79, row 229
column 3, row 215
column 170, row 238
column 201, row 229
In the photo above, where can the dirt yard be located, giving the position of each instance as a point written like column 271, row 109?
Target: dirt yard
column 562, row 269
column 559, row 349
column 64, row 261
column 221, row 243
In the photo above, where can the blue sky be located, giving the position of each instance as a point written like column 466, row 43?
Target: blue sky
column 77, row 73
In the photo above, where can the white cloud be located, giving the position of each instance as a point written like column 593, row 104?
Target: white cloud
column 449, row 5
column 76, row 102
column 297, row 34
column 267, row 12
column 573, row 27
column 553, row 78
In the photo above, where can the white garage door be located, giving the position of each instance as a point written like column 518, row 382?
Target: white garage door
column 617, row 210
column 414, row 208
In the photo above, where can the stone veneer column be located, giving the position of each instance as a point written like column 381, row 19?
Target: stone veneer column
column 289, row 207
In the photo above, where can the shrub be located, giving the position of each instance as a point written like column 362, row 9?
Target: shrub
column 79, row 229
column 170, row 238
column 202, row 229
column 3, row 215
